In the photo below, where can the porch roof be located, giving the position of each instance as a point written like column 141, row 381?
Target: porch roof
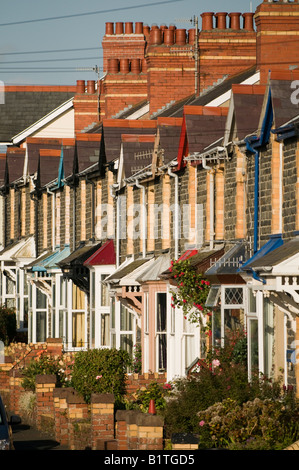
column 153, row 271
column 226, row 269
column 105, row 255
column 38, row 264
column 277, row 256
column 52, row 261
column 79, row 255
column 200, row 259
column 10, row 250
column 272, row 244
column 126, row 269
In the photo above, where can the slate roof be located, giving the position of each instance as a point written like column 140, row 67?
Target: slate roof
column 276, row 256
column 137, row 152
column 15, row 164
column 248, row 101
column 177, row 109
column 283, row 108
column 44, row 154
column 113, row 130
column 24, row 106
column 169, row 130
column 204, row 127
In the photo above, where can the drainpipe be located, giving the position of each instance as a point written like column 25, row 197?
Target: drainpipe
column 256, row 192
column 141, row 186
column 176, row 227
column 212, row 208
column 113, row 188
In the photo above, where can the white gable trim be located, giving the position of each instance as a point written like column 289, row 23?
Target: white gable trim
column 43, row 122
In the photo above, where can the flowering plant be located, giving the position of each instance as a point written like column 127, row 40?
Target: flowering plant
column 192, row 291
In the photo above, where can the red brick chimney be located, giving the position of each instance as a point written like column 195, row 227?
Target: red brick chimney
column 277, row 25
column 227, row 46
column 86, row 105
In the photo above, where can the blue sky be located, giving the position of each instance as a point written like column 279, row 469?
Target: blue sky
column 30, row 29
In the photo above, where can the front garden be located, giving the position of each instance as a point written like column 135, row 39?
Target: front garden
column 216, row 403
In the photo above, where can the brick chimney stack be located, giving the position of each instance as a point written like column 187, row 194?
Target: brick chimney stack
column 277, row 25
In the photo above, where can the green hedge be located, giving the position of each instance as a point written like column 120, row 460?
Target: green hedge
column 8, row 325
column 101, row 371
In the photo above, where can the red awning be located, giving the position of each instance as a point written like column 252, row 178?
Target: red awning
column 103, row 256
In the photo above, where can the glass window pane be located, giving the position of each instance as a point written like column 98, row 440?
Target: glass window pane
column 105, row 329
column 253, row 345
column 161, row 312
column 126, row 319
column 216, row 328
column 78, row 298
column 268, row 337
column 78, row 339
column 233, row 295
column 233, row 321
column 113, row 312
column 41, row 326
column 252, row 301
column 162, row 352
column 126, row 343
column 41, row 299
column 92, row 289
column 104, row 292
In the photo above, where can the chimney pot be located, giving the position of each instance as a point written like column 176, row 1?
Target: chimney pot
column 248, row 21
column 119, row 28
column 221, row 20
column 155, row 36
column 91, row 86
column 135, row 65
column 80, row 86
column 113, row 65
column 169, row 37
column 234, row 20
column 180, row 37
column 129, row 28
column 207, row 20
column 109, row 28
column 124, row 65
column 139, row 27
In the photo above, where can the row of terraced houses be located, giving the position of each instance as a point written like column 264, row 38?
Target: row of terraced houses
column 187, row 147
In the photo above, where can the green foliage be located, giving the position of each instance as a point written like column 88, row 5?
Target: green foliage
column 154, row 391
column 100, row 371
column 44, row 365
column 192, row 291
column 8, row 325
column 137, row 359
column 223, row 377
column 257, row 424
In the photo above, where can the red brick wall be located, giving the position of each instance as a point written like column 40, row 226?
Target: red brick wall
column 277, row 36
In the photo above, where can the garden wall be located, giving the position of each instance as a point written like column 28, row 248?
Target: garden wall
column 63, row 413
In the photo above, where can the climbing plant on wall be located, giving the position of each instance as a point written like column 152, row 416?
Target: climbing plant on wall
column 191, row 291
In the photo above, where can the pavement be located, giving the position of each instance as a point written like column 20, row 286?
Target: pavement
column 26, row 437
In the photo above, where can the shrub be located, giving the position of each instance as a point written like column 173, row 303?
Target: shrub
column 44, row 365
column 154, row 391
column 223, row 376
column 100, row 371
column 258, row 424
column 8, row 325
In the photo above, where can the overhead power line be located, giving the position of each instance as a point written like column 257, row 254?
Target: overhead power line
column 99, row 12
column 52, row 51
column 48, row 60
